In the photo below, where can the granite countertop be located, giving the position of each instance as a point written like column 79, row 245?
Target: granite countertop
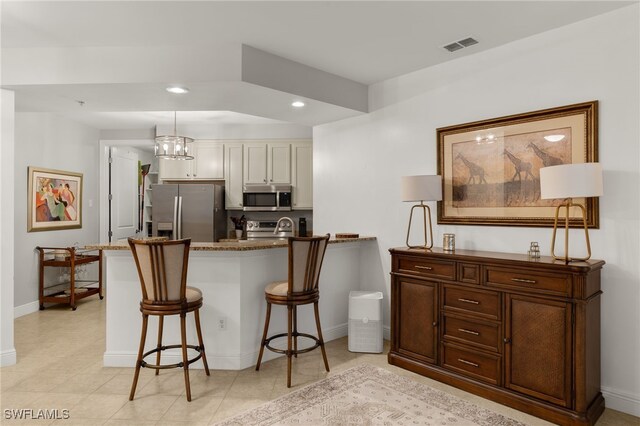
column 227, row 245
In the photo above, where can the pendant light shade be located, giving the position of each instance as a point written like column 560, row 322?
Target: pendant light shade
column 174, row 147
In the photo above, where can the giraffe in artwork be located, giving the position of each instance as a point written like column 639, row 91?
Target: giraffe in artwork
column 521, row 166
column 547, row 159
column 474, row 170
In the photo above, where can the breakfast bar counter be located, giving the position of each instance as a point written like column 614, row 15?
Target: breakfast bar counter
column 229, row 245
column 232, row 277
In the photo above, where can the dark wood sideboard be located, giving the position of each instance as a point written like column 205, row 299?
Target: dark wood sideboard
column 521, row 332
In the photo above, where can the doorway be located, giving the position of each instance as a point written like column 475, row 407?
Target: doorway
column 120, row 195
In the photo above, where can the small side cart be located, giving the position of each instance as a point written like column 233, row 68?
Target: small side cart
column 74, row 289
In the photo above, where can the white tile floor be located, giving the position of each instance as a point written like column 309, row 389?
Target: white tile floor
column 60, row 367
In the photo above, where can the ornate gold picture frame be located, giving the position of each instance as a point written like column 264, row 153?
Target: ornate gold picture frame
column 55, row 200
column 490, row 168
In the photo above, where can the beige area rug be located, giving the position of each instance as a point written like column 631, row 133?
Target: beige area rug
column 368, row 395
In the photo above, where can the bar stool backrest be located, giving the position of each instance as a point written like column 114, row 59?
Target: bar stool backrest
column 305, row 261
column 162, row 268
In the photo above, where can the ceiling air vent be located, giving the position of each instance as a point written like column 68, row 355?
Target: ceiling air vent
column 461, row 44
column 469, row 41
column 453, row 47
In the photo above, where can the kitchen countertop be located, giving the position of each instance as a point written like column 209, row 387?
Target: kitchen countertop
column 234, row 245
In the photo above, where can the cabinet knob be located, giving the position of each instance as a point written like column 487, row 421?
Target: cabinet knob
column 194, row 175
column 264, row 180
column 506, row 340
column 188, row 175
column 435, row 323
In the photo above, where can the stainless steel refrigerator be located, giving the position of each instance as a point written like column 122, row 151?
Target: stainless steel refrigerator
column 193, row 211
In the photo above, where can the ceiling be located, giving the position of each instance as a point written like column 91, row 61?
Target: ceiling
column 355, row 43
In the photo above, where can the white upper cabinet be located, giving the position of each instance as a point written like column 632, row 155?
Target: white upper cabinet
column 268, row 163
column 279, row 163
column 255, row 163
column 302, row 175
column 209, row 161
column 233, row 176
column 207, row 164
column 174, row 169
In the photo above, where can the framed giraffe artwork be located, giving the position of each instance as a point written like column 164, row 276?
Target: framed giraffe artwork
column 491, row 169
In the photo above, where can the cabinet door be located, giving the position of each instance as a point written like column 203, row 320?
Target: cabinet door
column 302, row 176
column 415, row 312
column 209, row 160
column 255, row 163
column 233, row 177
column 538, row 348
column 174, row 169
column 279, row 163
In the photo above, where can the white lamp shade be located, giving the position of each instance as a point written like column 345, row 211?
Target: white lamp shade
column 421, row 188
column 571, row 181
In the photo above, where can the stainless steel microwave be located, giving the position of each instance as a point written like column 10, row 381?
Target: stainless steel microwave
column 266, row 198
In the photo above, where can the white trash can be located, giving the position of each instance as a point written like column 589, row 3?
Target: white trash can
column 365, row 321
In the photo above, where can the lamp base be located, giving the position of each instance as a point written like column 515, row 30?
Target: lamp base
column 426, row 213
column 568, row 203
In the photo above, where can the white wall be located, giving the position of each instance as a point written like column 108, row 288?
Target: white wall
column 50, row 141
column 7, row 110
column 358, row 162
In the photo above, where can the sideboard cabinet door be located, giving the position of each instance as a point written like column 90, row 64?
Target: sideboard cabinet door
column 538, row 348
column 416, row 318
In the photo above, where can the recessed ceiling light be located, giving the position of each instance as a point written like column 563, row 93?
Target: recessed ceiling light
column 177, row 89
column 297, row 104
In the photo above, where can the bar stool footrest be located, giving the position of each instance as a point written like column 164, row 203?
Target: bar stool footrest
column 143, row 363
column 294, row 352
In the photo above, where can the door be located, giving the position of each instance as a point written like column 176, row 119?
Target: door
column 209, row 160
column 255, row 163
column 302, row 178
column 197, row 212
column 416, row 316
column 174, row 169
column 538, row 348
column 279, row 163
column 233, row 177
column 162, row 210
column 123, row 192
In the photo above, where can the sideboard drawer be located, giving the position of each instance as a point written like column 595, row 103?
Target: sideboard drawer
column 543, row 282
column 483, row 334
column 429, row 267
column 482, row 366
column 483, row 303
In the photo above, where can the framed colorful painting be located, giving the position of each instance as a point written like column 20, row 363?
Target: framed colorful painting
column 55, row 200
column 491, row 169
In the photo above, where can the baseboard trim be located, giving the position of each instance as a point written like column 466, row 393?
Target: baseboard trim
column 621, row 401
column 246, row 360
column 26, row 309
column 8, row 358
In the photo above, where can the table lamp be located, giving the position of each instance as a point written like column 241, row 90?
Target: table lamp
column 422, row 188
column 570, row 181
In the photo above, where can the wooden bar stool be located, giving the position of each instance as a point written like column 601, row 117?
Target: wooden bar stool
column 162, row 269
column 301, row 288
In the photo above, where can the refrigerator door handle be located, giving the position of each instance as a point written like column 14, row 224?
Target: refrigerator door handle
column 174, row 231
column 179, row 218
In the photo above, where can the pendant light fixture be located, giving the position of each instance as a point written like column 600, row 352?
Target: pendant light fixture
column 174, row 147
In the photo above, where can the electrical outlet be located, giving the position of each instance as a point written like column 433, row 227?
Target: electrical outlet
column 222, row 323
